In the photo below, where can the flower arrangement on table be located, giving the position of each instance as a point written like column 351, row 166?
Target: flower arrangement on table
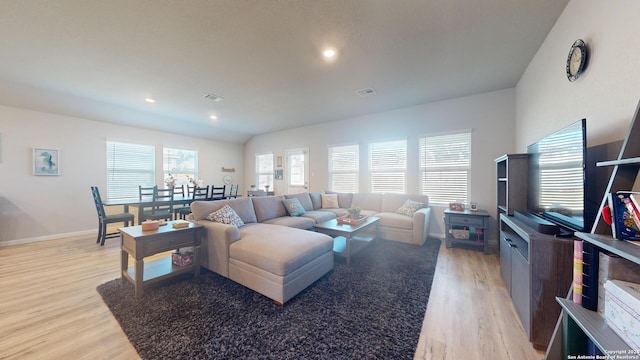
column 354, row 212
column 170, row 181
column 195, row 183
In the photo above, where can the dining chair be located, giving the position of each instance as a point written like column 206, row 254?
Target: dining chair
column 233, row 191
column 218, row 192
column 145, row 192
column 199, row 193
column 162, row 205
column 182, row 191
column 104, row 219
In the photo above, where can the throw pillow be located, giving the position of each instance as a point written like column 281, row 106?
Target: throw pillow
column 410, row 207
column 294, row 207
column 330, row 201
column 226, row 215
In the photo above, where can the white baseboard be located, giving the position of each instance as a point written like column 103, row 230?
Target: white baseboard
column 83, row 233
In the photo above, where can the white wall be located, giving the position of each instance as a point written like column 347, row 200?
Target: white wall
column 608, row 91
column 489, row 115
column 43, row 207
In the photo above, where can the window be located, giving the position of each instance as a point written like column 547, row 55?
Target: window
column 181, row 163
column 128, row 166
column 344, row 168
column 264, row 171
column 388, row 166
column 445, row 161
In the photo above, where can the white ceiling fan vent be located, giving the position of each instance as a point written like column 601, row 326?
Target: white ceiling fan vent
column 366, row 92
column 212, row 97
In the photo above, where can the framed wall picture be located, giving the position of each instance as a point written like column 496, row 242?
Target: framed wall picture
column 278, row 174
column 279, row 161
column 46, row 161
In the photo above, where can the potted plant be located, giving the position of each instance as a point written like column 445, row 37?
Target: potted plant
column 354, row 212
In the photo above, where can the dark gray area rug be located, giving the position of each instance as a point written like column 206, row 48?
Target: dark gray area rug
column 372, row 309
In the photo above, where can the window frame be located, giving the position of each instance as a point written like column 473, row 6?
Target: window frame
column 448, row 174
column 351, row 170
column 269, row 175
column 128, row 153
column 184, row 177
column 383, row 174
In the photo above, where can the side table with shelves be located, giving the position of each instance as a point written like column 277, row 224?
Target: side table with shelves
column 140, row 244
column 467, row 227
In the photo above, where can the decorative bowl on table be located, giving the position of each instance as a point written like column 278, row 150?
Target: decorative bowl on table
column 348, row 220
column 149, row 225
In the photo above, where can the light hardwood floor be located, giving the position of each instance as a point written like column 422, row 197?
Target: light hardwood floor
column 49, row 307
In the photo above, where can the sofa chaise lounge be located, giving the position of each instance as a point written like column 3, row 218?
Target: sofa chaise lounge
column 275, row 253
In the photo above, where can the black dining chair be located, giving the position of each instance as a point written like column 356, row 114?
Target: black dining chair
column 104, row 219
column 146, row 192
column 162, row 205
column 218, row 192
column 181, row 191
column 233, row 191
column 199, row 193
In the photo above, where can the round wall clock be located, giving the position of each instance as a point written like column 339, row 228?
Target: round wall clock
column 227, row 179
column 576, row 60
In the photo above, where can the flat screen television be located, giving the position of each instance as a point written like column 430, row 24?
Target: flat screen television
column 557, row 178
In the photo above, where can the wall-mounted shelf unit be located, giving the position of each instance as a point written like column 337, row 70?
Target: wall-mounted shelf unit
column 512, row 183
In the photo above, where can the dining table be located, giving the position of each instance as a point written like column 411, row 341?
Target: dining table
column 145, row 202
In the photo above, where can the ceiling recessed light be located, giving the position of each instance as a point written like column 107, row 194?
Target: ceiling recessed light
column 329, row 53
column 150, row 100
column 213, row 117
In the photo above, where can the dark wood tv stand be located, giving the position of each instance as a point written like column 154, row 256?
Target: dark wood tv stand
column 536, row 268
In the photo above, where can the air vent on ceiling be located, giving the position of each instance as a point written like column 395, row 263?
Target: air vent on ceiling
column 366, row 92
column 212, row 97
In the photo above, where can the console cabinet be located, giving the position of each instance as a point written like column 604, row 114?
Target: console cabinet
column 535, row 268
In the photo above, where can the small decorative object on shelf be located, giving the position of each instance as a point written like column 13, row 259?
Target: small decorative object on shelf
column 354, row 212
column 473, row 206
column 456, row 206
column 182, row 259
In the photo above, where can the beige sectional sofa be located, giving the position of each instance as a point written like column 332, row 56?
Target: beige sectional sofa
column 279, row 255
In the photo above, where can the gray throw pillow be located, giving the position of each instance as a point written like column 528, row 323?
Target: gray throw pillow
column 294, row 207
column 226, row 215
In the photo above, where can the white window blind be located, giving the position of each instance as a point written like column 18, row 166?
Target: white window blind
column 445, row 161
column 129, row 166
column 181, row 163
column 264, row 171
column 344, row 168
column 388, row 166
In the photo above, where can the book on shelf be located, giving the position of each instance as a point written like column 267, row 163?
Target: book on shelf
column 577, row 271
column 625, row 216
column 613, row 267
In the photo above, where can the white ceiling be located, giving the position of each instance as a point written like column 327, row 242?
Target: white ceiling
column 100, row 59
